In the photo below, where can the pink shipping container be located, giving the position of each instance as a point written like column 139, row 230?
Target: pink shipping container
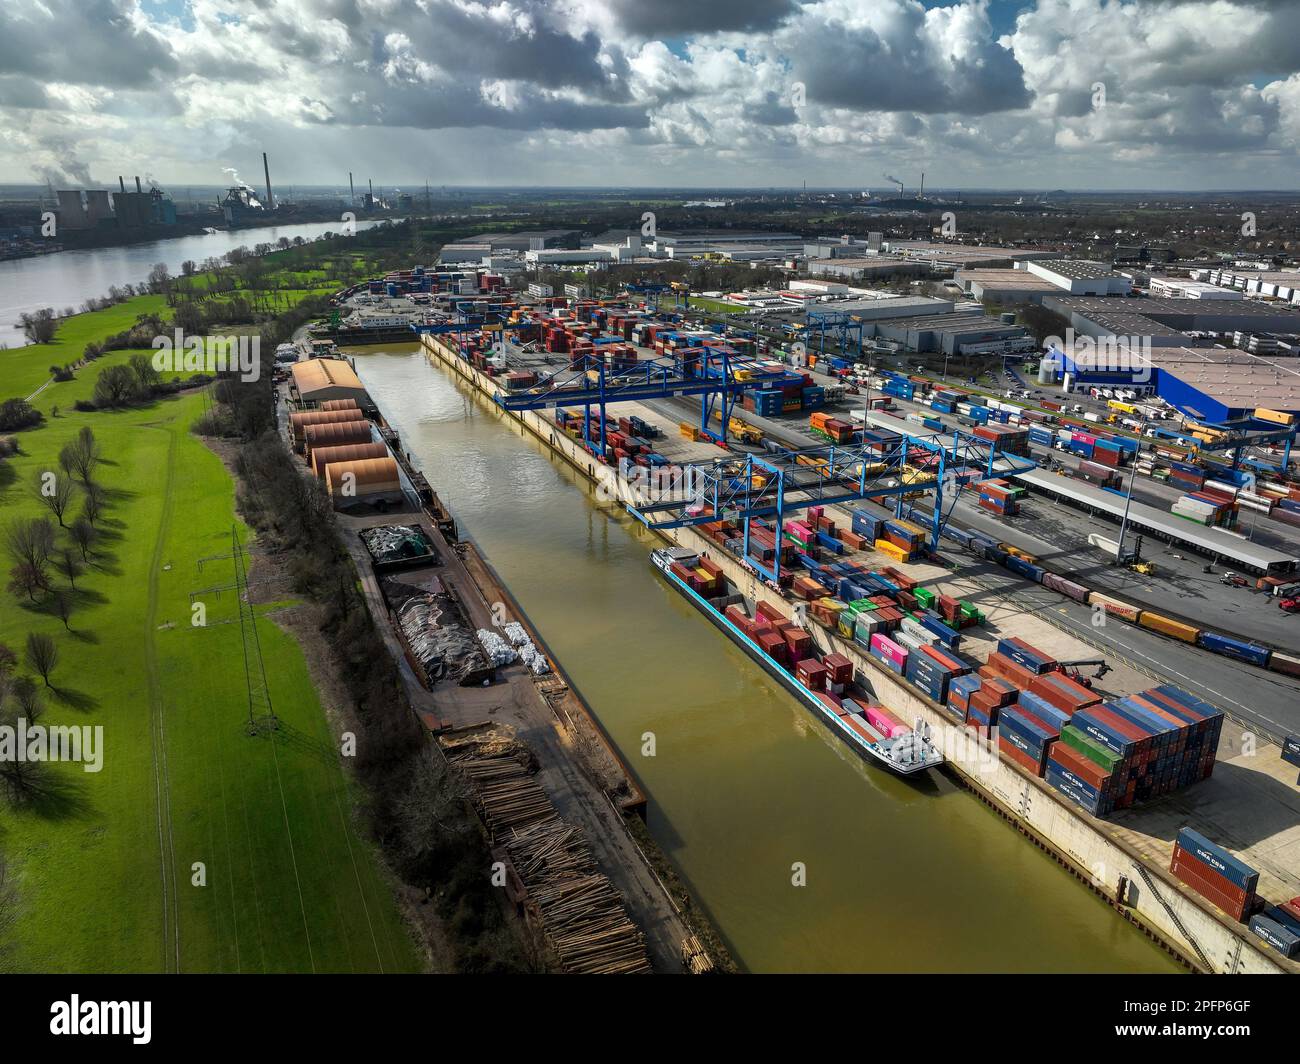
column 884, row 722
column 887, row 647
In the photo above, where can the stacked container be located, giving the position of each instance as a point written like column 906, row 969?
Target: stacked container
column 1214, row 873
column 997, row 497
column 889, row 653
column 1206, row 508
column 1146, row 746
column 932, row 670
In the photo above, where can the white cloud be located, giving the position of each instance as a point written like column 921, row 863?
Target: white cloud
column 889, row 84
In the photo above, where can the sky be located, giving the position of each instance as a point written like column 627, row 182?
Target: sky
column 1154, row 94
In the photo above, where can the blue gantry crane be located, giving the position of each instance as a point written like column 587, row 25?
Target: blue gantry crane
column 590, row 382
column 652, row 290
column 776, row 484
column 842, row 325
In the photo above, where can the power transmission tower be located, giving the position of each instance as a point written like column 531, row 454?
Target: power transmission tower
column 261, row 713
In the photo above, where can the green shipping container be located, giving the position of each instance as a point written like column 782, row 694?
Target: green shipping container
column 1072, row 737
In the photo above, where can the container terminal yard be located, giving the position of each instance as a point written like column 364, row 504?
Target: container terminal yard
column 806, row 487
column 996, row 641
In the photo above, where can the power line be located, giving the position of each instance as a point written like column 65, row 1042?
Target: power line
column 261, row 713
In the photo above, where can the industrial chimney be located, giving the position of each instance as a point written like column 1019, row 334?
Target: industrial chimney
column 352, row 190
column 121, row 182
column 137, row 185
column 266, row 169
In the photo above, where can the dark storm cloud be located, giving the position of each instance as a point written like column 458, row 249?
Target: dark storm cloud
column 855, row 68
column 471, row 43
column 86, row 42
column 681, row 18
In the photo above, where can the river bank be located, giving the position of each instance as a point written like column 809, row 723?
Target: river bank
column 742, row 784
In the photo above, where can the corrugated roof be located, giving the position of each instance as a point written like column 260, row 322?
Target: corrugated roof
column 1143, row 516
column 317, row 373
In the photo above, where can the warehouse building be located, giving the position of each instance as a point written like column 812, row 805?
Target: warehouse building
column 1081, row 277
column 1182, row 288
column 1217, row 384
column 1168, row 322
column 955, row 333
column 1273, row 284
column 890, row 306
column 1004, row 286
column 873, row 266
column 318, row 380
column 1211, row 384
column 941, row 256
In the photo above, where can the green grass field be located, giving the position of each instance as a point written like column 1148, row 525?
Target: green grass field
column 24, row 369
column 101, row 870
column 715, row 306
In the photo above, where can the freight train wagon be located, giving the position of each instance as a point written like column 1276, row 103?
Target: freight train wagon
column 1017, row 561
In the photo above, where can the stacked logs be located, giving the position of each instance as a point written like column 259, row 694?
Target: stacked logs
column 581, row 913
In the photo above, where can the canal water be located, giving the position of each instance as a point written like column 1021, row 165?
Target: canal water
column 69, row 278
column 747, row 792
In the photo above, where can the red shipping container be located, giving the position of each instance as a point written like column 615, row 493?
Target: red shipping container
column 1067, row 757
column 812, row 674
column 1004, row 692
column 1209, row 877
column 772, row 613
column 773, row 645
column 1190, row 871
column 1060, row 691
column 1000, row 665
column 841, row 668
column 1019, row 757
column 799, row 642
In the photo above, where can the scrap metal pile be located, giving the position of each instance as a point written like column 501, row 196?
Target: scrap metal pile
column 392, row 543
column 582, row 914
column 442, row 645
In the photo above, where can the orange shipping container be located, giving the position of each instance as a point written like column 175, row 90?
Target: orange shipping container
column 1168, row 626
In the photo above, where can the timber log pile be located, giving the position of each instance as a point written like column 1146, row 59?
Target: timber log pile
column 581, row 912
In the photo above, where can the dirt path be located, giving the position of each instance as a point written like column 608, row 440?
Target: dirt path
column 157, row 725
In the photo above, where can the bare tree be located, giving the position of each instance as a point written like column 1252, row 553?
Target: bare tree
column 83, row 535
column 30, row 541
column 42, row 655
column 69, row 565
column 39, row 327
column 94, row 504
column 80, row 456
column 63, row 609
column 28, row 697
column 55, row 492
column 26, row 579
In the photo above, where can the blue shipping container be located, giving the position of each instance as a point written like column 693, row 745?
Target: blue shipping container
column 1218, row 859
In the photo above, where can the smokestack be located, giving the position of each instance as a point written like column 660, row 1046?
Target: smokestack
column 266, row 169
column 372, row 188
column 921, row 194
column 352, row 192
column 137, row 185
column 121, row 183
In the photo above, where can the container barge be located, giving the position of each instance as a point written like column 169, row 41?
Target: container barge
column 870, row 729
